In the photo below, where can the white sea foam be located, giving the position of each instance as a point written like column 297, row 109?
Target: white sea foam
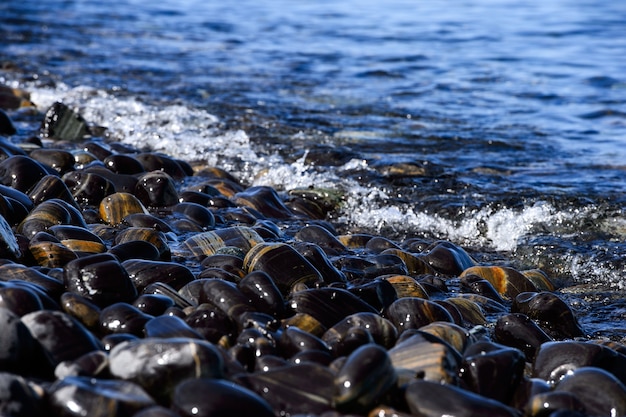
column 500, row 229
column 294, row 175
column 174, row 129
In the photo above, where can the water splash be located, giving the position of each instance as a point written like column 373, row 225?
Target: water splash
column 500, row 229
column 175, row 129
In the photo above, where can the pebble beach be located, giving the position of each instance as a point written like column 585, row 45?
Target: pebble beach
column 414, row 211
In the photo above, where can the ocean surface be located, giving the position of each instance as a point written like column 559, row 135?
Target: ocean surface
column 498, row 125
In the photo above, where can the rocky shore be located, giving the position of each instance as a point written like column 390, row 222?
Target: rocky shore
column 136, row 284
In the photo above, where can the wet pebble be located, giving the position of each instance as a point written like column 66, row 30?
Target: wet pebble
column 431, row 399
column 493, row 370
column 62, row 123
column 283, row 264
column 156, row 189
column 19, row 398
column 263, row 293
column 6, row 124
column 115, row 207
column 92, row 364
column 304, row 388
column 328, row 305
column 265, row 200
column 99, row 278
column 205, row 397
column 425, row 357
column 18, row 348
column 550, row 312
column 365, row 377
column 88, row 189
column 61, row 336
column 20, row 300
column 381, row 330
column 21, row 172
column 74, row 396
column 413, row 313
column 123, row 318
column 518, row 331
column 507, row 281
column 448, row 258
column 159, row 365
column 81, row 309
column 554, row 360
column 144, row 272
column 169, row 327
column 599, row 391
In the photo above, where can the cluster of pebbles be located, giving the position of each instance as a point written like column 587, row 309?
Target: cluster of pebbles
column 132, row 285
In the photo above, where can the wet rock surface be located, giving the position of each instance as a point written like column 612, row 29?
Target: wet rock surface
column 121, row 296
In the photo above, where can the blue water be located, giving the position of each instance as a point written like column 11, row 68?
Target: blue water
column 517, row 108
column 499, row 76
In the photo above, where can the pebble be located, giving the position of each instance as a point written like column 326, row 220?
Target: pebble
column 123, row 290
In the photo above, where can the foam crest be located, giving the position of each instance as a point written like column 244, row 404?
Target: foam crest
column 500, row 229
column 298, row 174
column 506, row 226
column 174, row 129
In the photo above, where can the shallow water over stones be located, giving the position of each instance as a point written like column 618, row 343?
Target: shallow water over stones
column 245, row 304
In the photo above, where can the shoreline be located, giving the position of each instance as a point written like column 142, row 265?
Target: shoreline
column 288, row 291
